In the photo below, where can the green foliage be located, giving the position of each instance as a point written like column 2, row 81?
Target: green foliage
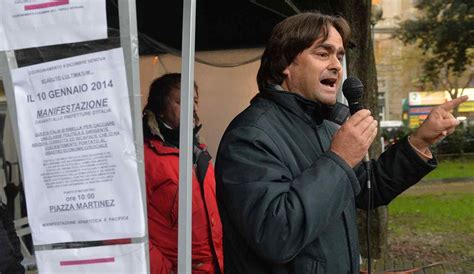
column 444, row 31
column 461, row 141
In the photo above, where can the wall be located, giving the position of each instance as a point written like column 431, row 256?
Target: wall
column 223, row 92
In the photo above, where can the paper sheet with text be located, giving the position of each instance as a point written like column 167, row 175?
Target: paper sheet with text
column 37, row 23
column 77, row 149
column 116, row 259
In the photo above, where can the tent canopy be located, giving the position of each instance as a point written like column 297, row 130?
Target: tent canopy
column 220, row 24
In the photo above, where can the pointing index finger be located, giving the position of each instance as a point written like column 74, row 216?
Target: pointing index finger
column 450, row 105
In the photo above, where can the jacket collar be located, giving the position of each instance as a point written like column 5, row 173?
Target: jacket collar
column 153, row 136
column 312, row 112
column 150, row 125
column 151, row 129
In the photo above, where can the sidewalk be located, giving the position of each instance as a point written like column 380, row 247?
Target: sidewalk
column 396, row 266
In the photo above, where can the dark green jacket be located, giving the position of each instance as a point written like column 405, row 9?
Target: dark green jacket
column 287, row 204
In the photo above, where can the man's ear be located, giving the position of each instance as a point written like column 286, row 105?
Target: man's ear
column 286, row 71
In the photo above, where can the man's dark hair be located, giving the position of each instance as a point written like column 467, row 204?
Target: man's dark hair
column 160, row 91
column 292, row 36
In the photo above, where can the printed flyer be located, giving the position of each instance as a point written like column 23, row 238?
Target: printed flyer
column 77, row 149
column 37, row 23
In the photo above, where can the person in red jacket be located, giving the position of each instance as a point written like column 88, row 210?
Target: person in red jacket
column 161, row 149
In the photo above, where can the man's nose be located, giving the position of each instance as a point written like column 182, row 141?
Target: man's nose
column 335, row 64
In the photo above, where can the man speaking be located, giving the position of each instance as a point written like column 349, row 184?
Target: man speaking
column 289, row 180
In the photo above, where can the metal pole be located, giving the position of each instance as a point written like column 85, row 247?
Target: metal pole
column 185, row 138
column 340, row 97
column 129, row 42
column 8, row 63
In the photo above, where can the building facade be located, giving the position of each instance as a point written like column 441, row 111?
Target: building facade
column 398, row 66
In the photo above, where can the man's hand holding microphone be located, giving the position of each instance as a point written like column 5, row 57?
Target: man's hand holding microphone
column 352, row 141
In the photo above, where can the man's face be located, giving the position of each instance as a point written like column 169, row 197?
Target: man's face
column 316, row 72
column 171, row 113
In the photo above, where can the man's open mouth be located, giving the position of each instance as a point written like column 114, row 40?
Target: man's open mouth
column 330, row 82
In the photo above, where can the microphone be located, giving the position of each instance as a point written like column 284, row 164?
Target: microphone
column 352, row 89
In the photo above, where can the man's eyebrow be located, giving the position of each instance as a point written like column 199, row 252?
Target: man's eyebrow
column 330, row 47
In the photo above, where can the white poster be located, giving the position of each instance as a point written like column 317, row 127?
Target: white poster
column 78, row 154
column 36, row 23
column 114, row 259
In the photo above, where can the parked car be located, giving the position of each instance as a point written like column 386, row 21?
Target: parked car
column 392, row 131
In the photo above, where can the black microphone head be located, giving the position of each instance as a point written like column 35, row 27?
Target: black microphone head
column 352, row 90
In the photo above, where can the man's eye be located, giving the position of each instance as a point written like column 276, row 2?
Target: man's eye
column 322, row 54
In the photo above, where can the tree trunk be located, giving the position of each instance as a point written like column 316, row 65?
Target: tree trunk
column 361, row 63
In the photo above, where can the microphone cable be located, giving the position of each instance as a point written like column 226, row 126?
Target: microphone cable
column 352, row 88
column 369, row 208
